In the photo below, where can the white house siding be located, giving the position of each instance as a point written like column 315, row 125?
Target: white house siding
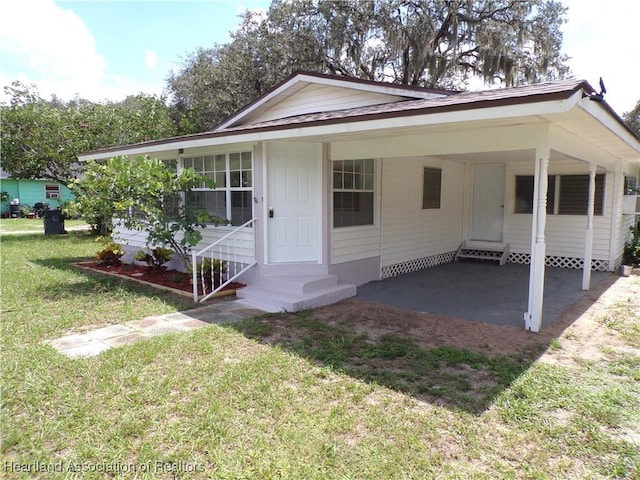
column 244, row 248
column 408, row 231
column 565, row 234
column 321, row 98
column 623, row 223
column 355, row 243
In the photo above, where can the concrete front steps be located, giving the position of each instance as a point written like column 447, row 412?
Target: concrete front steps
column 291, row 293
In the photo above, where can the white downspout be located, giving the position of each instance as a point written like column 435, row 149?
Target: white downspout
column 588, row 239
column 533, row 317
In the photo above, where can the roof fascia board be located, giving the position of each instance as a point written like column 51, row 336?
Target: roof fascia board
column 345, row 126
column 610, row 119
column 164, row 153
column 379, row 87
column 256, row 104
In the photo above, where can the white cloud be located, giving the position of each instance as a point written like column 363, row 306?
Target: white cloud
column 150, row 59
column 601, row 40
column 44, row 44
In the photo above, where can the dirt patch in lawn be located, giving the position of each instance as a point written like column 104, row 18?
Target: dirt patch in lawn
column 580, row 328
column 444, row 360
column 164, row 278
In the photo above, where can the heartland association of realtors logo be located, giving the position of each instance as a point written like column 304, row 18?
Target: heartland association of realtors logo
column 154, row 467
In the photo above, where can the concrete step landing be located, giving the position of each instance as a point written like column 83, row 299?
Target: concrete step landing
column 292, row 293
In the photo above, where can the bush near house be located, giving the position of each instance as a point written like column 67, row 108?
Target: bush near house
column 632, row 247
column 135, row 192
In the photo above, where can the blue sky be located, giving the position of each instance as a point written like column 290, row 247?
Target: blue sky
column 110, row 49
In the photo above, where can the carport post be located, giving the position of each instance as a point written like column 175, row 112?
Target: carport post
column 533, row 317
column 588, row 239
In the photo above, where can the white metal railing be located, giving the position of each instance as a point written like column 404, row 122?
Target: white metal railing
column 217, row 265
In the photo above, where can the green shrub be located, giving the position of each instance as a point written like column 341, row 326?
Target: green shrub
column 70, row 209
column 219, row 267
column 155, row 258
column 110, row 255
column 631, row 254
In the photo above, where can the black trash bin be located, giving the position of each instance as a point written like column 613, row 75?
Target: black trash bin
column 53, row 222
column 14, row 211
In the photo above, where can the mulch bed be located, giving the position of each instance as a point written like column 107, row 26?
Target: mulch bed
column 165, row 278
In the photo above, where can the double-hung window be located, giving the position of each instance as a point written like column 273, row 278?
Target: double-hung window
column 353, row 192
column 233, row 175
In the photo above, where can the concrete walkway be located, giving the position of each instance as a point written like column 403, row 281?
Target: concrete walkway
column 93, row 342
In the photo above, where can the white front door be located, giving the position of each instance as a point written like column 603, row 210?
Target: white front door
column 487, row 209
column 293, row 202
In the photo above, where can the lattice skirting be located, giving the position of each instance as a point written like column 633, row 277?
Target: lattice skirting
column 417, row 264
column 562, row 262
column 524, row 258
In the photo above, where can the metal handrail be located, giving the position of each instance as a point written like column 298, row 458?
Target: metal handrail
column 225, row 256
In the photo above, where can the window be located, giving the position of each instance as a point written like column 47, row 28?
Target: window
column 571, row 198
column 233, row 176
column 171, row 203
column 524, row 194
column 52, row 191
column 431, row 188
column 574, row 195
column 630, row 185
column 353, row 189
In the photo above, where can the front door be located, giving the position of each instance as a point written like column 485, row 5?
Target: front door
column 487, row 210
column 293, row 202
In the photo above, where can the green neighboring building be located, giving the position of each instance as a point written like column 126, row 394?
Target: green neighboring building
column 30, row 192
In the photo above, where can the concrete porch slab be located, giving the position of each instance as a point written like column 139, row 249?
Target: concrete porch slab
column 479, row 291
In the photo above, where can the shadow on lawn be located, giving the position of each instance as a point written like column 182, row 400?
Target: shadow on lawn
column 97, row 283
column 455, row 363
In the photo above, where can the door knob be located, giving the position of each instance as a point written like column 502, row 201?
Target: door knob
column 270, row 212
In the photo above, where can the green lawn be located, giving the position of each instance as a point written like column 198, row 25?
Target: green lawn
column 32, row 224
column 323, row 401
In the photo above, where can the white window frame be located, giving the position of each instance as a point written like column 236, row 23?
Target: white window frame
column 50, row 194
column 424, row 188
column 373, row 190
column 213, row 174
column 554, row 206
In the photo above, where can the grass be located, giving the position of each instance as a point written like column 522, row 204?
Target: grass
column 8, row 225
column 309, row 401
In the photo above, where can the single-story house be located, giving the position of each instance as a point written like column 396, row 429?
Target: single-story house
column 332, row 182
column 29, row 192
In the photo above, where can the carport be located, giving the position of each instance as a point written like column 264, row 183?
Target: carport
column 479, row 291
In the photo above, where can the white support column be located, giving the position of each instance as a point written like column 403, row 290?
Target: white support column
column 616, row 210
column 533, row 317
column 588, row 239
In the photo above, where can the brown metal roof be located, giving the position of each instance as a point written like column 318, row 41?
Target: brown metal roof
column 539, row 92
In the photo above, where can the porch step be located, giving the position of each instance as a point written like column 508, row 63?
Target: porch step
column 495, row 251
column 298, row 284
column 294, row 293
